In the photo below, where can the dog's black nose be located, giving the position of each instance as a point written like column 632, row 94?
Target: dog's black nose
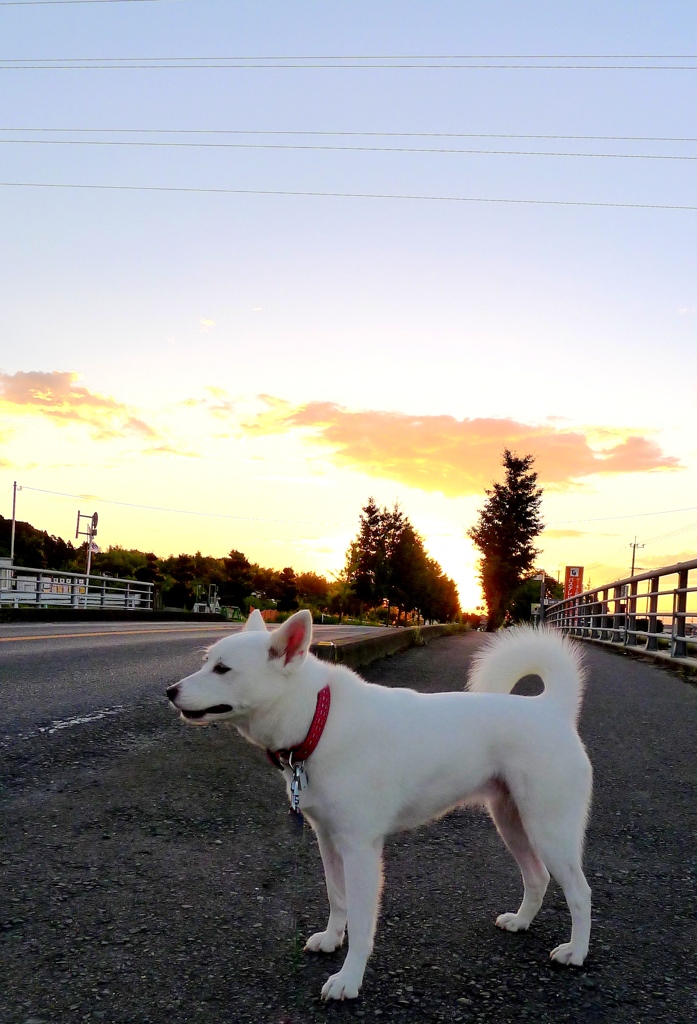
column 172, row 691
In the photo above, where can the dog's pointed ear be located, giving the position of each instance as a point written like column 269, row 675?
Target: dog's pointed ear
column 291, row 641
column 255, row 623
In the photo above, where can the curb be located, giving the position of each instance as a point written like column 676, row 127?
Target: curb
column 359, row 651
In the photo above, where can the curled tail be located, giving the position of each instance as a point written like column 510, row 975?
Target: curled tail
column 514, row 653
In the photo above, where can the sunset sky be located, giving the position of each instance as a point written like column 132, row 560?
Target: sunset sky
column 252, row 366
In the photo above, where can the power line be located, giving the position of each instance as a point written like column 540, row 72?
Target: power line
column 44, row 3
column 672, row 534
column 340, row 149
column 196, row 63
column 345, row 195
column 49, row 3
column 633, row 515
column 401, row 135
column 181, row 511
column 376, row 56
column 308, row 522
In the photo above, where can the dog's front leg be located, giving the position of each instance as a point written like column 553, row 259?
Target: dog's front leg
column 329, row 940
column 363, row 877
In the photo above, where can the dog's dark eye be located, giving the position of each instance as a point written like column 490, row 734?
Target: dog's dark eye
column 221, row 669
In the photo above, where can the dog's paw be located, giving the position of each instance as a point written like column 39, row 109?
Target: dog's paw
column 565, row 954
column 512, row 923
column 324, row 942
column 340, row 986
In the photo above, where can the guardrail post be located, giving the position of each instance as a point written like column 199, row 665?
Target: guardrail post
column 678, row 646
column 630, row 638
column 652, row 639
column 39, row 582
column 102, row 596
column 606, row 620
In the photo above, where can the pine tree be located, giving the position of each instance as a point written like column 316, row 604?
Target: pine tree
column 388, row 561
column 507, row 526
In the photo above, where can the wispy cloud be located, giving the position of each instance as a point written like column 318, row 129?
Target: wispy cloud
column 58, row 395
column 456, row 457
column 657, row 561
column 168, row 449
column 563, row 534
column 215, row 401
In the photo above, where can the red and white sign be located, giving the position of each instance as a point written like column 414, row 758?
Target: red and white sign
column 573, row 580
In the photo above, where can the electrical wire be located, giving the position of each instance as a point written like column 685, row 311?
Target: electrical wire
column 333, row 195
column 633, row 515
column 385, row 135
column 234, row 64
column 180, row 511
column 345, row 195
column 339, row 149
column 672, row 534
column 50, row 3
column 375, row 56
column 305, row 522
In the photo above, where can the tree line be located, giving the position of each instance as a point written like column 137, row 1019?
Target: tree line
column 387, row 576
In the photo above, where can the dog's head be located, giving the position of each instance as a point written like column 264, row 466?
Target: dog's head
column 244, row 672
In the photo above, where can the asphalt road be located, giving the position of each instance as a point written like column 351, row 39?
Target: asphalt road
column 148, row 874
column 54, row 673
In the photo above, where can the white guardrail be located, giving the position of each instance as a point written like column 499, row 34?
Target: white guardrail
column 656, row 611
column 24, row 587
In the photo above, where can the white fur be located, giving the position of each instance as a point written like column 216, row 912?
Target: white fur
column 390, row 759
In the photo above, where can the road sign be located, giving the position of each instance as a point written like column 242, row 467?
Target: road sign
column 573, row 580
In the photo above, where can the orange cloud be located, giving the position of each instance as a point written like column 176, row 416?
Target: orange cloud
column 456, row 457
column 57, row 394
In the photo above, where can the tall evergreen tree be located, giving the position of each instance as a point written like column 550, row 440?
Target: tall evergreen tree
column 367, row 556
column 387, row 560
column 507, row 526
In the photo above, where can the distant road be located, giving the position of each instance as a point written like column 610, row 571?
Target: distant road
column 53, row 673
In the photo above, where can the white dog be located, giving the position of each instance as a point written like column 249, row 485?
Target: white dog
column 362, row 761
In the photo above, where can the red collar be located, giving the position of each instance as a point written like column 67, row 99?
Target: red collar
column 303, row 750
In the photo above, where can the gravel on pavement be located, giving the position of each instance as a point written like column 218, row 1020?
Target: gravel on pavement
column 149, row 874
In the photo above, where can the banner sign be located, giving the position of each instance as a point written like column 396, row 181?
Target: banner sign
column 573, row 581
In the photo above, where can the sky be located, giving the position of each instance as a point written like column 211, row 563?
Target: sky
column 217, row 354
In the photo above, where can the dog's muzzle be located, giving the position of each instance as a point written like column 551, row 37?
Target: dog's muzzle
column 216, row 709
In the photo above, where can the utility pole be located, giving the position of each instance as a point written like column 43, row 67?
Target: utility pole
column 15, row 488
column 634, row 546
column 90, row 533
column 542, row 577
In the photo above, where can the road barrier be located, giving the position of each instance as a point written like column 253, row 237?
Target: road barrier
column 654, row 612
column 357, row 651
column 24, row 587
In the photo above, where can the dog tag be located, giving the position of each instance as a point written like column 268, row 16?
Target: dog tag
column 297, row 785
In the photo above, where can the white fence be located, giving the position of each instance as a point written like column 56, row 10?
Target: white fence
column 22, row 587
column 655, row 611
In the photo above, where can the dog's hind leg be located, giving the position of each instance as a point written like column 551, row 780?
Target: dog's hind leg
column 505, row 815
column 330, row 939
column 567, row 870
column 363, row 874
column 556, row 832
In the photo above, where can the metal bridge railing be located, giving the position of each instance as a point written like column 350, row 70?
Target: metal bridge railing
column 22, row 586
column 656, row 611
